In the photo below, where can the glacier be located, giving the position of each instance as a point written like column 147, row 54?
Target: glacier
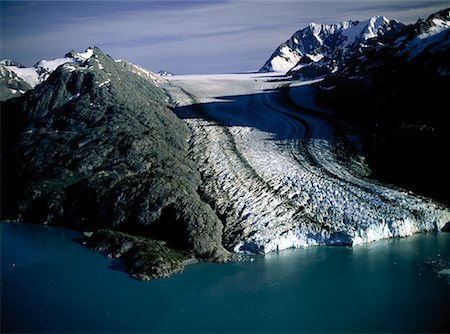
column 273, row 168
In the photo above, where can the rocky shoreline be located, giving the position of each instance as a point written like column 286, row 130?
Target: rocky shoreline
column 94, row 147
column 144, row 258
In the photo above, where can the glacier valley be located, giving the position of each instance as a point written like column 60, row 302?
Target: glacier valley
column 282, row 172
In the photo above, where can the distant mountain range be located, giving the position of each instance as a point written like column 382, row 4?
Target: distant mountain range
column 16, row 79
column 398, row 92
column 390, row 79
column 320, row 49
column 328, row 42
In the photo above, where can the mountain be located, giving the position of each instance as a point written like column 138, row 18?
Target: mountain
column 16, row 79
column 165, row 73
column 328, row 44
column 11, row 84
column 94, row 147
column 398, row 93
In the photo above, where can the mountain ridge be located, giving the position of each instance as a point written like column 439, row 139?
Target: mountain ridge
column 397, row 92
column 318, row 41
column 95, row 147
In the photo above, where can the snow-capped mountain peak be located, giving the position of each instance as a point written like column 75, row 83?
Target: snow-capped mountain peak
column 426, row 36
column 364, row 30
column 435, row 24
column 318, row 41
column 42, row 69
column 9, row 62
column 16, row 79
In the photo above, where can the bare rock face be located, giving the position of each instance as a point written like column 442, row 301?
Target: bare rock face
column 94, row 146
column 144, row 258
column 397, row 93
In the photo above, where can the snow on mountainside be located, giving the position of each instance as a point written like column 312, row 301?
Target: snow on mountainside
column 16, row 79
column 423, row 44
column 397, row 91
column 431, row 35
column 319, row 41
column 11, row 84
column 41, row 70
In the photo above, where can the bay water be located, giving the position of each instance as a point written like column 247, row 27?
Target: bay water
column 51, row 283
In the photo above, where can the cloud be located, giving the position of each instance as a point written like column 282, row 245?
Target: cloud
column 180, row 36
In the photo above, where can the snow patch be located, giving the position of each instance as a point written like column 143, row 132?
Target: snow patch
column 286, row 60
column 74, row 97
column 83, row 56
column 439, row 25
column 315, row 57
column 107, row 82
column 69, row 67
column 27, row 74
column 51, row 65
column 365, row 30
column 432, row 42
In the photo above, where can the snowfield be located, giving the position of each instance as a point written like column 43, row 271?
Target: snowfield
column 278, row 169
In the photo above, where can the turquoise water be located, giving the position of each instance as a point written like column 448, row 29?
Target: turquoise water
column 49, row 283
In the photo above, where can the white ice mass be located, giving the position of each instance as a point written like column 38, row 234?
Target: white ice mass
column 272, row 168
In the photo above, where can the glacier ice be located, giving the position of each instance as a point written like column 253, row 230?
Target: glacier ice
column 273, row 173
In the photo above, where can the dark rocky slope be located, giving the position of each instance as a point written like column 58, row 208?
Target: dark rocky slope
column 399, row 93
column 95, row 147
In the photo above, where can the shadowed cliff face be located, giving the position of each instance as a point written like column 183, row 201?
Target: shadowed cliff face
column 398, row 94
column 94, row 146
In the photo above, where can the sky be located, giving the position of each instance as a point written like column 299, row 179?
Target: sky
column 183, row 37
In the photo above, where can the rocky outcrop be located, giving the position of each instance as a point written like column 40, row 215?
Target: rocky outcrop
column 94, row 146
column 144, row 258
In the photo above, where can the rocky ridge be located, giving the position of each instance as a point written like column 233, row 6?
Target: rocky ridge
column 144, row 258
column 94, row 147
column 319, row 44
